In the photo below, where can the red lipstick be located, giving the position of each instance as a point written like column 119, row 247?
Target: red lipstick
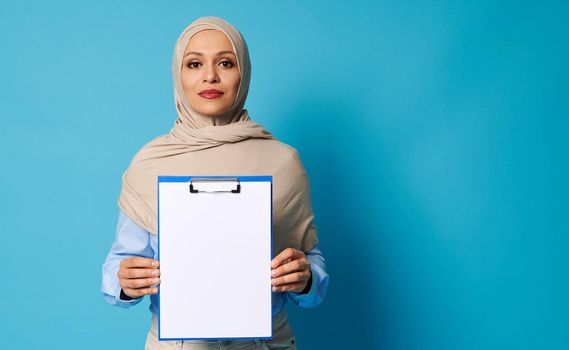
column 212, row 93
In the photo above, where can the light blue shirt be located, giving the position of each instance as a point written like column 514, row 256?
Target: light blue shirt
column 133, row 240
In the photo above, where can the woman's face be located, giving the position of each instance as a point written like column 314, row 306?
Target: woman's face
column 210, row 76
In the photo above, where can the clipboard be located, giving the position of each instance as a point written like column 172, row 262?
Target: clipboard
column 214, row 248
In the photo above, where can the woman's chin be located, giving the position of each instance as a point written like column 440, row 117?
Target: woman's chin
column 211, row 111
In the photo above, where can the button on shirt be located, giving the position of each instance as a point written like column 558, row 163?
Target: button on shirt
column 133, row 240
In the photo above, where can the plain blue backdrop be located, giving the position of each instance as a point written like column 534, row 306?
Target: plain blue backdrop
column 435, row 136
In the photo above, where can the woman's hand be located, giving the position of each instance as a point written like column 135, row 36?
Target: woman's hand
column 137, row 275
column 291, row 271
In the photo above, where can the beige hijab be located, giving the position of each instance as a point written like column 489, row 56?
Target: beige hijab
column 228, row 145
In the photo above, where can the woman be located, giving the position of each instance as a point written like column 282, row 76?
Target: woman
column 214, row 135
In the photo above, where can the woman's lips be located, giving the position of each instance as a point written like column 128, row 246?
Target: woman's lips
column 209, row 94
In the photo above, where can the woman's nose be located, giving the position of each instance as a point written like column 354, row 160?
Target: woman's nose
column 210, row 74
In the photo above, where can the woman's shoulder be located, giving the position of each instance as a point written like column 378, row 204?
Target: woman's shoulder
column 156, row 141
column 283, row 157
column 274, row 147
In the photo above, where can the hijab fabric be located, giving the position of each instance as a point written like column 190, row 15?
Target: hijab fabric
column 177, row 152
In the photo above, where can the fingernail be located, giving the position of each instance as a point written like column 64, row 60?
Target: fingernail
column 155, row 272
column 156, row 280
column 155, row 263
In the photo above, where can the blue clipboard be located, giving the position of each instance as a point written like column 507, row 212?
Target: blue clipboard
column 214, row 247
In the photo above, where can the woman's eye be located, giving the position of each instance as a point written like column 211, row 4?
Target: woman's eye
column 193, row 64
column 226, row 64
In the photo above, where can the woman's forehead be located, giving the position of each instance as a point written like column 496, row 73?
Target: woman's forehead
column 209, row 41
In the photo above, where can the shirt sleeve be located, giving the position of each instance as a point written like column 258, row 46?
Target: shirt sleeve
column 320, row 280
column 130, row 240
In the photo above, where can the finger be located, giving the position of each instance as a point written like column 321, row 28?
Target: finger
column 136, row 293
column 139, row 283
column 294, row 265
column 291, row 278
column 139, row 261
column 138, row 273
column 291, row 287
column 289, row 253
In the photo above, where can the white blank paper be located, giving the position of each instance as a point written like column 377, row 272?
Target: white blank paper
column 215, row 254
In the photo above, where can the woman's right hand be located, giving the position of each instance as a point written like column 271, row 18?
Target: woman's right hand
column 137, row 275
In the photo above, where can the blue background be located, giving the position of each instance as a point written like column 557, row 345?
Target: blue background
column 434, row 133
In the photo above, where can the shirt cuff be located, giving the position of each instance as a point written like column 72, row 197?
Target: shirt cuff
column 124, row 300
column 317, row 290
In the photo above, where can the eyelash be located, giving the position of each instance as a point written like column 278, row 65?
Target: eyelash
column 190, row 64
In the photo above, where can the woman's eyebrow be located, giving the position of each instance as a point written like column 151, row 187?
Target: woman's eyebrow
column 201, row 54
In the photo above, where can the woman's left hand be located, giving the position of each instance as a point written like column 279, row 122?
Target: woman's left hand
column 290, row 271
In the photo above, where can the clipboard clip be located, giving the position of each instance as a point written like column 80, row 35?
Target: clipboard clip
column 228, row 184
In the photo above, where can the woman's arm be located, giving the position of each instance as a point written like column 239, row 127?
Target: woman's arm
column 130, row 241
column 300, row 274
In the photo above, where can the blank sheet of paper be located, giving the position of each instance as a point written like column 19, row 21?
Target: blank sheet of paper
column 215, row 255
